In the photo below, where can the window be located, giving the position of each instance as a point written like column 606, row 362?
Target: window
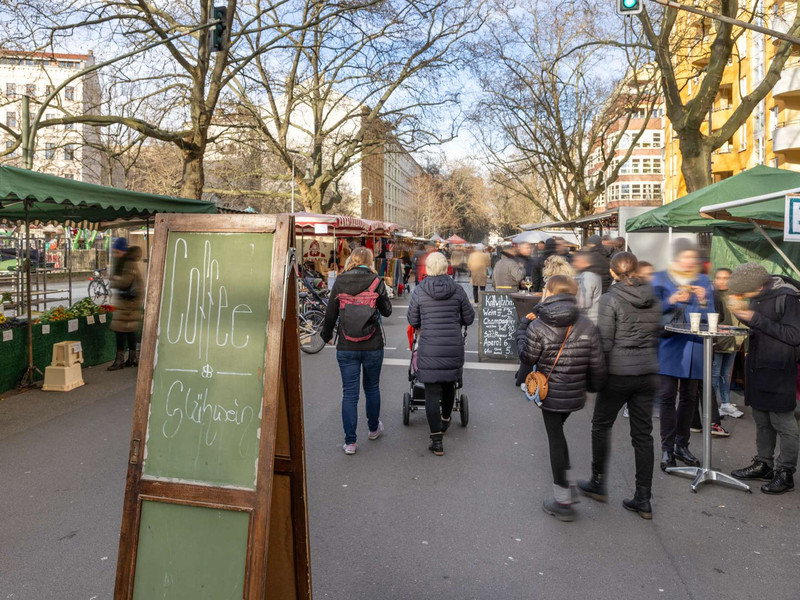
column 743, row 137
column 49, row 116
column 69, row 152
column 69, row 93
column 30, row 90
column 638, row 166
column 11, row 90
column 759, row 153
column 724, row 97
column 9, row 146
column 773, row 120
column 69, row 126
column 726, row 147
column 628, row 192
column 743, row 87
column 11, row 119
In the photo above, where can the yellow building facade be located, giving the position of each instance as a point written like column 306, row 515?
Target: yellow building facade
column 771, row 134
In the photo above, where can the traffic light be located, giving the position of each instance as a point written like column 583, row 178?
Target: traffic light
column 220, row 29
column 629, row 7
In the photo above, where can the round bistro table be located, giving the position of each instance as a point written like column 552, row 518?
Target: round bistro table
column 705, row 473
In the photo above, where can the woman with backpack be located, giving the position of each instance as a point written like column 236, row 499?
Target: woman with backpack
column 357, row 302
column 629, row 321
column 564, row 347
column 439, row 308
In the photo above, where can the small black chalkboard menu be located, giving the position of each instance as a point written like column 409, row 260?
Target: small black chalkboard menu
column 497, row 327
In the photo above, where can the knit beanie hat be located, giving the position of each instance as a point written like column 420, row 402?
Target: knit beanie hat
column 120, row 244
column 594, row 240
column 682, row 245
column 748, row 277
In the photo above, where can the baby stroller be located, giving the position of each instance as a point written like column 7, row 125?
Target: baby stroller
column 415, row 397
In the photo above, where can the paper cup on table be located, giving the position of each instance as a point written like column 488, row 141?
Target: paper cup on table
column 713, row 322
column 694, row 322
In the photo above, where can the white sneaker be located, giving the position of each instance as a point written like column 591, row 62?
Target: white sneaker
column 374, row 435
column 349, row 448
column 730, row 410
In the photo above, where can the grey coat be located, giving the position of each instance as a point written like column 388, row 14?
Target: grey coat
column 507, row 274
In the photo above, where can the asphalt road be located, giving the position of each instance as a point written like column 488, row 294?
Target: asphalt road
column 396, row 522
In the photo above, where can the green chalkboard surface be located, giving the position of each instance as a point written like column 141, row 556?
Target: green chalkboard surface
column 190, row 553
column 210, row 351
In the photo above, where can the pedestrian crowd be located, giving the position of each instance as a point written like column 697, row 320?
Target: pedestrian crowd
column 598, row 327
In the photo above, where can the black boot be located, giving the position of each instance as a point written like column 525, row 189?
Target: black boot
column 667, row 460
column 682, row 453
column 436, row 444
column 595, row 488
column 640, row 503
column 119, row 361
column 133, row 359
column 757, row 470
column 782, row 482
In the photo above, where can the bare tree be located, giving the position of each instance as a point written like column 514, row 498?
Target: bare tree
column 552, row 116
column 690, row 48
column 341, row 87
column 175, row 86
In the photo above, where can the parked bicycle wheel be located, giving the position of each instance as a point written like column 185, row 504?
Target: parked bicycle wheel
column 98, row 292
column 311, row 340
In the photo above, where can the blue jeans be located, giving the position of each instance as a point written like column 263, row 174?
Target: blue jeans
column 351, row 363
column 721, row 371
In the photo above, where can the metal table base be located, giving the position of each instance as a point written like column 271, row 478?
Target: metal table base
column 705, row 473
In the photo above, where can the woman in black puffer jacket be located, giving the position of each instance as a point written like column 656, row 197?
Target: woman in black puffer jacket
column 630, row 323
column 580, row 367
column 439, row 308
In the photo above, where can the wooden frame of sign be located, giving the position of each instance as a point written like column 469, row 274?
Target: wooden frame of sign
column 215, row 497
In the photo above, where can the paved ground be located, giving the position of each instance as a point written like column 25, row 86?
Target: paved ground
column 395, row 522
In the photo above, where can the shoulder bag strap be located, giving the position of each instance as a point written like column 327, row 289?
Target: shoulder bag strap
column 374, row 285
column 560, row 350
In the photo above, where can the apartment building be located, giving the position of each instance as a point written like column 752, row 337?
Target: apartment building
column 641, row 177
column 64, row 150
column 771, row 134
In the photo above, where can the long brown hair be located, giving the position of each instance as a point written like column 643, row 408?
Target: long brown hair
column 625, row 265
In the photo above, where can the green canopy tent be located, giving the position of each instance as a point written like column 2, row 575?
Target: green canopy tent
column 684, row 213
column 765, row 213
column 29, row 197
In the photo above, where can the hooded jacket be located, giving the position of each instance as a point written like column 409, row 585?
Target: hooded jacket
column 354, row 282
column 581, row 365
column 439, row 308
column 629, row 321
column 771, row 364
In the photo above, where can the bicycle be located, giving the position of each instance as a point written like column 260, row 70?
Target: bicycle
column 99, row 291
column 310, row 329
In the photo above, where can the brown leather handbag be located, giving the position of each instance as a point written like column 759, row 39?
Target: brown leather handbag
column 536, row 383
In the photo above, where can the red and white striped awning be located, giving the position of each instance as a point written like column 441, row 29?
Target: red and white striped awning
column 306, row 223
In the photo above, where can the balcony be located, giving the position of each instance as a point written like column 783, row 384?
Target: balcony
column 789, row 84
column 786, row 137
column 719, row 116
column 782, row 22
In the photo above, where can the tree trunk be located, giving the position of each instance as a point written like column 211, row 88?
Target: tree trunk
column 696, row 168
column 193, row 178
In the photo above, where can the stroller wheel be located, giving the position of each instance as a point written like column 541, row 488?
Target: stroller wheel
column 464, row 412
column 406, row 408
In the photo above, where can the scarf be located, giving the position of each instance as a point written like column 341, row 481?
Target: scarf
column 682, row 277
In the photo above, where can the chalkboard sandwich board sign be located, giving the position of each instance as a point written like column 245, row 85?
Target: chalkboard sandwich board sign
column 497, row 327
column 215, row 499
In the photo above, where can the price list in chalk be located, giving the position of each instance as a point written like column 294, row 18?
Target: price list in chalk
column 205, row 407
column 497, row 327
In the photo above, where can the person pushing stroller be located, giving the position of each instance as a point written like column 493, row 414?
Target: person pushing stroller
column 439, row 308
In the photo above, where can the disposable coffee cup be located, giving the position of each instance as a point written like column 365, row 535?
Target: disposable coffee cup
column 694, row 322
column 713, row 322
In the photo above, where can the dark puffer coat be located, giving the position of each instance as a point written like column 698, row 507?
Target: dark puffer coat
column 770, row 367
column 354, row 282
column 439, row 307
column 581, row 365
column 629, row 322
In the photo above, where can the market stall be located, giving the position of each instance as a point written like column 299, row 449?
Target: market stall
column 28, row 198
